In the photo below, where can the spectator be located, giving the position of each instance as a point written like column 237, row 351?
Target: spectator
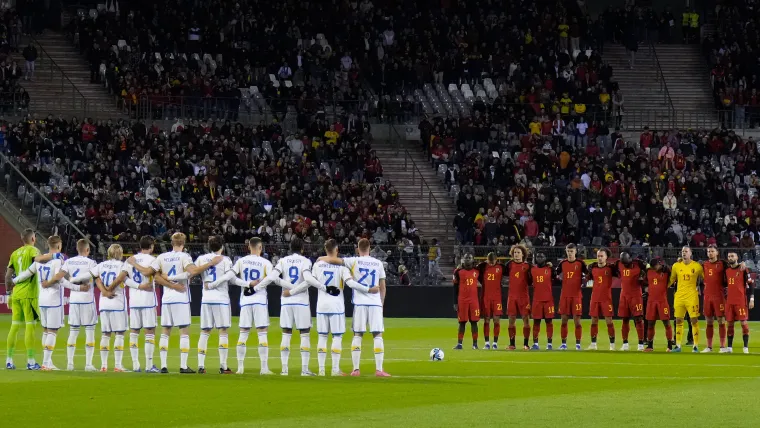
column 30, row 57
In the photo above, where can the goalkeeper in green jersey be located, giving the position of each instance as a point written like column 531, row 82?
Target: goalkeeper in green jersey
column 22, row 300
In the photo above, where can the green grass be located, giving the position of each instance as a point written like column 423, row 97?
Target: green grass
column 483, row 388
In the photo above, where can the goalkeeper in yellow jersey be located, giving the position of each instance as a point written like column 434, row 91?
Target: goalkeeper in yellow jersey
column 685, row 274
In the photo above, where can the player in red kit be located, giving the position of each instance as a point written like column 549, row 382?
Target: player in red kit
column 543, row 301
column 631, row 303
column 491, row 274
column 518, row 300
column 466, row 298
column 739, row 286
column 714, row 299
column 657, row 303
column 601, row 297
column 572, row 273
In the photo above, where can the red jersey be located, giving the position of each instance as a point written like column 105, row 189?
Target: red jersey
column 737, row 281
column 572, row 276
column 602, row 277
column 466, row 284
column 542, row 283
column 658, row 284
column 519, row 276
column 490, row 277
column 630, row 278
column 714, row 278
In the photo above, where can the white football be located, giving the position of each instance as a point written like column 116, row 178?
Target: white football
column 436, row 354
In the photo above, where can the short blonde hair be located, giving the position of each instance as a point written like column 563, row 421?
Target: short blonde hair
column 54, row 241
column 178, row 239
column 82, row 245
column 115, row 252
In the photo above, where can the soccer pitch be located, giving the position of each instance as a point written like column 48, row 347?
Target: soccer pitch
column 477, row 388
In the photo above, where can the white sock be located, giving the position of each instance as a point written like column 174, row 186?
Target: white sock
column 49, row 348
column 134, row 349
column 264, row 350
column 356, row 351
column 163, row 348
column 71, row 344
column 242, row 348
column 89, row 344
column 44, row 344
column 285, row 351
column 150, row 349
column 118, row 350
column 322, row 351
column 305, row 351
column 202, row 346
column 184, row 350
column 105, row 343
column 224, row 349
column 379, row 353
column 337, row 348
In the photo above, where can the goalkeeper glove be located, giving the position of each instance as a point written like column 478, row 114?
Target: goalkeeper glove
column 333, row 290
column 248, row 291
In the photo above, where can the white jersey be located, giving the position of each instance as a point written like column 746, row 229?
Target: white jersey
column 173, row 263
column 367, row 271
column 140, row 299
column 250, row 268
column 76, row 267
column 291, row 269
column 219, row 295
column 330, row 275
column 107, row 271
column 51, row 297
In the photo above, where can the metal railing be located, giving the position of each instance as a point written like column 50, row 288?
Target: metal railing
column 660, row 77
column 47, row 69
column 33, row 208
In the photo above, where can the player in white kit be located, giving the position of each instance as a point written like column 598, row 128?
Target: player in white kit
column 50, row 297
column 331, row 312
column 294, row 310
column 368, row 308
column 173, row 270
column 109, row 278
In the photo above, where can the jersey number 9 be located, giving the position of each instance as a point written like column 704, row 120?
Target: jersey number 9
column 293, row 274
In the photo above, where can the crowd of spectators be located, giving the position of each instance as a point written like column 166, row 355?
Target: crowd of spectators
column 13, row 96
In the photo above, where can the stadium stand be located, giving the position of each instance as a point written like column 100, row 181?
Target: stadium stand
column 13, row 62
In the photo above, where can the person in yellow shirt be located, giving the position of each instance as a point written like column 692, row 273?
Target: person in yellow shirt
column 331, row 137
column 564, row 103
column 535, row 126
column 563, row 29
column 685, row 274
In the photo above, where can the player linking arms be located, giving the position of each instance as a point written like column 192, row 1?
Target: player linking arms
column 543, row 301
column 714, row 297
column 491, row 274
column 466, row 298
column 738, row 283
column 572, row 273
column 518, row 299
column 601, row 297
column 657, row 304
column 631, row 305
column 686, row 273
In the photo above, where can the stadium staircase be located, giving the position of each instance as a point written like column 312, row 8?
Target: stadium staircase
column 422, row 193
column 62, row 82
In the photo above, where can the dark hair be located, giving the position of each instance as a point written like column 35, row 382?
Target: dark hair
column 27, row 235
column 296, row 245
column 146, row 242
column 605, row 251
column 331, row 245
column 254, row 242
column 570, row 246
column 215, row 243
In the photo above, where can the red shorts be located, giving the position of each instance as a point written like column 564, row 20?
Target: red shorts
column 571, row 306
column 657, row 310
column 736, row 312
column 714, row 306
column 630, row 306
column 601, row 309
column 492, row 307
column 542, row 310
column 518, row 307
column 468, row 311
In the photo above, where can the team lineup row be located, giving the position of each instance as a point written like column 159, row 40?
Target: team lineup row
column 726, row 286
column 128, row 302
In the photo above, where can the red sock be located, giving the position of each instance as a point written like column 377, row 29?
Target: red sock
column 640, row 330
column 709, row 333
column 594, row 331
column 512, row 330
column 722, row 334
column 526, row 331
column 626, row 330
column 650, row 332
column 578, row 332
column 474, row 336
column 536, row 330
column 730, row 330
column 549, row 331
column 460, row 336
column 496, row 331
column 486, row 329
column 669, row 332
column 745, row 328
column 563, row 332
column 611, row 330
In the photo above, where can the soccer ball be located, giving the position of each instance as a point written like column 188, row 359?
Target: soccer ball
column 436, row 354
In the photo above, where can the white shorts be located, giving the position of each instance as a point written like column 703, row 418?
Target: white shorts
column 51, row 318
column 113, row 321
column 256, row 315
column 175, row 315
column 295, row 316
column 331, row 323
column 215, row 316
column 368, row 315
column 142, row 318
column 82, row 314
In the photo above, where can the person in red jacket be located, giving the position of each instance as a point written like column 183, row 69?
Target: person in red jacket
column 543, row 301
